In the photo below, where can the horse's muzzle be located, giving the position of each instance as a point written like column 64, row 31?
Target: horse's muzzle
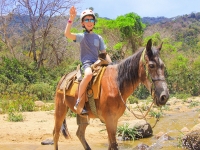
column 162, row 98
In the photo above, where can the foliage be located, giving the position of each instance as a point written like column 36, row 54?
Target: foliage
column 180, row 140
column 155, row 114
column 14, row 116
column 178, row 74
column 46, row 107
column 71, row 113
column 156, row 39
column 194, row 104
column 122, row 34
column 127, row 133
column 18, row 102
column 132, row 99
column 183, row 96
column 17, row 77
column 141, row 92
column 165, row 107
column 42, row 90
column 130, row 25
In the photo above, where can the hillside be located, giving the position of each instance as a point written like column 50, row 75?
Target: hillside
column 155, row 20
column 185, row 29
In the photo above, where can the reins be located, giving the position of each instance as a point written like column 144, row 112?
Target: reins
column 136, row 115
column 152, row 93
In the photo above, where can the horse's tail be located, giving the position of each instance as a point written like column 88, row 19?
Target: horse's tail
column 64, row 130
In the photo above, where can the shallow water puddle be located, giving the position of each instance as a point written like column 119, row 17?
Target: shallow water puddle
column 170, row 124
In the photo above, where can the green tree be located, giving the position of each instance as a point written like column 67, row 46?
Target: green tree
column 156, row 39
column 131, row 29
column 123, row 34
column 178, row 71
column 194, row 77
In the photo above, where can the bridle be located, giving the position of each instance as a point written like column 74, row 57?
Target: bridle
column 152, row 91
column 152, row 80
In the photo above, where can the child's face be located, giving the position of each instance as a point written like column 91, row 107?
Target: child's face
column 88, row 22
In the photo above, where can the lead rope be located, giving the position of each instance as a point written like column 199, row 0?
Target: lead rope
column 141, row 116
column 136, row 115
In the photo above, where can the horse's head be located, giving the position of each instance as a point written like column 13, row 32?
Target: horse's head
column 152, row 73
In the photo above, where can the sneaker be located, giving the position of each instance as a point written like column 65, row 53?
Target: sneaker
column 84, row 111
column 76, row 105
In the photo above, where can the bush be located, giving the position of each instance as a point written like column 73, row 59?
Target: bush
column 127, row 133
column 17, row 102
column 14, row 116
column 132, row 99
column 17, row 88
column 183, row 96
column 42, row 90
column 155, row 114
column 141, row 92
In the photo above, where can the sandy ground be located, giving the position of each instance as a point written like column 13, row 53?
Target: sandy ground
column 38, row 126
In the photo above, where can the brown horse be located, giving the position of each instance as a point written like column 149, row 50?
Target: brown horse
column 118, row 83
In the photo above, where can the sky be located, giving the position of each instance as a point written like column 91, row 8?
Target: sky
column 144, row 8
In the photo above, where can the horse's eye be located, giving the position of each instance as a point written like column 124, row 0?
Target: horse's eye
column 151, row 65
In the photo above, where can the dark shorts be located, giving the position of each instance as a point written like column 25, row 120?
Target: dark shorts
column 86, row 65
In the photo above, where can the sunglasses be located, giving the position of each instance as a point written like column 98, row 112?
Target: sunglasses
column 89, row 20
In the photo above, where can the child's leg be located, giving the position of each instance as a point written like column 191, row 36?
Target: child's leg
column 83, row 86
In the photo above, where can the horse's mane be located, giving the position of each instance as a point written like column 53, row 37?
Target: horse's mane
column 128, row 70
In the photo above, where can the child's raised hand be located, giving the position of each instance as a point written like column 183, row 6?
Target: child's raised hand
column 72, row 13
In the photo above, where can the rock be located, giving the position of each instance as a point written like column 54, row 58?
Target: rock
column 142, row 127
column 189, row 101
column 177, row 108
column 196, row 127
column 158, row 135
column 141, row 147
column 192, row 140
column 185, row 130
column 39, row 103
column 163, row 136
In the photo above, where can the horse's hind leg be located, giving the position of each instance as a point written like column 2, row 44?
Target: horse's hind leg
column 83, row 123
column 60, row 113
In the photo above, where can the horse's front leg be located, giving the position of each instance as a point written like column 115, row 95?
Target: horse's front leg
column 82, row 124
column 111, row 126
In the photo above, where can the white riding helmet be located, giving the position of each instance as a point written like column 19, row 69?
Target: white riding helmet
column 87, row 12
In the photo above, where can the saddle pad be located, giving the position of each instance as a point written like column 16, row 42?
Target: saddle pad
column 95, row 86
column 67, row 77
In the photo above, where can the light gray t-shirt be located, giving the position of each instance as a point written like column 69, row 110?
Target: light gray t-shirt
column 90, row 45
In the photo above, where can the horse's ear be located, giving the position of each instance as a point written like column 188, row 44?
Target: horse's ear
column 149, row 45
column 148, row 48
column 160, row 46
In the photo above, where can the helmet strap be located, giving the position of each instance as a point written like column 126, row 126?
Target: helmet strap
column 86, row 30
